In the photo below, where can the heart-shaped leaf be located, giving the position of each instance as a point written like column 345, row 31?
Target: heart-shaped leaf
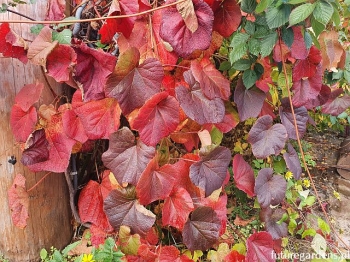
column 29, row 95
column 22, row 122
column 293, row 162
column 260, row 248
column 36, row 148
column 227, row 18
column 271, row 218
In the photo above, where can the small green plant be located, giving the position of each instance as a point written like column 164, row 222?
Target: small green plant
column 2, row 258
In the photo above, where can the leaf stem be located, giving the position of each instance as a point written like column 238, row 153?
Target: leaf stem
column 37, row 183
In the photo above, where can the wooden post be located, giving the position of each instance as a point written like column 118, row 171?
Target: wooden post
column 49, row 213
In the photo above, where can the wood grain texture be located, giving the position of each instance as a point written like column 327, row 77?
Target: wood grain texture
column 49, row 213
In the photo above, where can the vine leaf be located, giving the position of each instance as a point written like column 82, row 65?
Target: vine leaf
column 125, row 157
column 11, row 44
column 186, row 9
column 293, row 162
column 270, row 189
column 177, row 206
column 196, row 105
column 36, row 148
column 29, row 95
column 155, row 182
column 249, row 101
column 271, row 217
column 55, row 10
column 307, row 67
column 267, row 139
column 219, row 206
column 122, row 25
column 129, row 244
column 133, row 84
column 172, row 254
column 227, row 18
column 211, row 81
column 122, row 208
column 92, row 69
column 210, row 171
column 41, row 47
column 90, row 206
column 22, row 122
column 243, row 175
column 336, row 104
column 157, row 118
column 73, row 127
column 201, row 231
column 298, row 49
column 333, row 54
column 173, row 29
column 19, row 201
column 260, row 247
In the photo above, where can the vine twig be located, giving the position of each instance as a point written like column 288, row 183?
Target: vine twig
column 37, row 183
column 17, row 13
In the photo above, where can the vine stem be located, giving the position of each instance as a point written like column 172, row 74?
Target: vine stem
column 93, row 19
column 300, row 146
column 37, row 183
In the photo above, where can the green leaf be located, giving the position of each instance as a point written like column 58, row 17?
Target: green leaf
column 309, row 232
column 249, row 78
column 287, row 36
column 323, row 12
column 335, row 17
column 216, row 136
column 323, row 226
column 296, row 2
column 225, row 65
column 300, row 13
column 63, row 37
column 277, row 16
column 3, row 8
column 242, row 64
column 43, row 254
column 70, row 247
column 314, row 39
column 249, row 27
column 263, row 4
column 239, row 46
column 268, row 44
column 307, row 39
column 254, row 46
column 319, row 244
column 292, row 225
column 317, row 27
column 259, row 69
column 248, row 6
column 67, row 21
column 35, row 29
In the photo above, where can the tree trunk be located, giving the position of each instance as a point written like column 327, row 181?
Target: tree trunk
column 49, row 213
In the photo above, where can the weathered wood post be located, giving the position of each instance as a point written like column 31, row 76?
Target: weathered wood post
column 49, row 213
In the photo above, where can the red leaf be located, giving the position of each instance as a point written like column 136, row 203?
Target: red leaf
column 132, row 84
column 172, row 254
column 173, row 29
column 126, row 158
column 29, row 95
column 90, row 206
column 146, row 254
column 308, row 66
column 267, row 139
column 73, row 127
column 60, row 63
column 155, row 182
column 212, row 82
column 92, row 69
column 270, row 189
column 227, row 18
column 176, row 208
column 122, row 208
column 298, row 49
column 196, row 105
column 219, row 206
column 157, row 118
column 55, row 10
column 121, row 25
column 99, row 118
column 22, row 123
column 36, row 148
column 336, row 104
column 12, row 45
column 243, row 175
column 210, row 171
column 260, row 247
column 201, row 231
column 98, row 235
column 19, row 201
column 234, row 256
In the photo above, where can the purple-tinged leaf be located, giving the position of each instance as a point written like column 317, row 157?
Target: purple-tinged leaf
column 196, row 105
column 336, row 104
column 243, row 175
column 37, row 148
column 210, row 171
column 267, row 139
column 271, row 217
column 249, row 101
column 293, row 162
column 269, row 188
column 201, row 231
column 260, row 248
column 321, row 99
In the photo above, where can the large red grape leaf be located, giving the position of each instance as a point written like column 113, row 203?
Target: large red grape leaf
column 176, row 208
column 211, row 81
column 293, row 161
column 333, row 53
column 321, row 99
column 12, row 45
column 29, row 95
column 243, row 175
column 36, row 149
column 41, row 47
column 267, row 139
column 260, row 248
column 201, row 231
column 132, row 84
column 125, row 157
column 90, row 206
column 19, row 201
column 173, row 29
column 73, row 127
column 172, row 254
column 271, row 219
column 55, row 10
column 269, row 188
column 249, row 101
column 60, row 63
column 336, row 104
column 22, row 122
column 227, row 18
column 305, row 90
column 210, row 171
column 155, row 182
column 92, row 69
column 307, row 67
column 196, row 105
column 121, row 25
column 157, row 118
column 298, row 49
column 122, row 208
column 99, row 118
